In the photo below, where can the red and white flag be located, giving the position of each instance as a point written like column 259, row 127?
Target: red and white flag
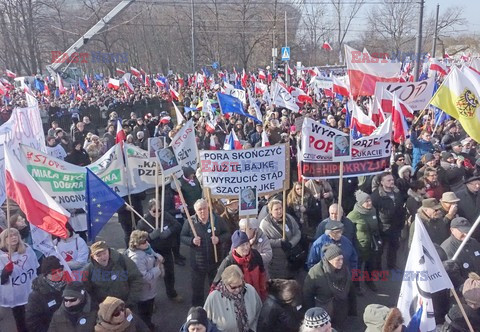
column 289, row 70
column 360, row 120
column 326, row 46
column 113, row 84
column 400, row 126
column 159, row 83
column 301, row 96
column 365, row 71
column 210, row 126
column 436, row 65
column 179, row 115
column 3, row 89
column 244, row 78
column 135, row 72
column 121, row 136
column 387, row 105
column 261, row 75
column 213, row 146
column 10, row 74
column 119, row 72
column 340, row 87
column 147, row 80
column 175, row 95
column 40, row 209
column 260, row 88
column 180, row 80
column 129, row 86
column 265, row 141
column 61, row 88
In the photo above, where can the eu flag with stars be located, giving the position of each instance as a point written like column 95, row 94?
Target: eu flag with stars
column 101, row 203
column 231, row 104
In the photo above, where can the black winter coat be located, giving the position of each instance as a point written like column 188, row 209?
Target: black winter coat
column 390, row 213
column 278, row 316
column 165, row 240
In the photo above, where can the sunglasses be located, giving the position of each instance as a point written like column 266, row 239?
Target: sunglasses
column 69, row 300
column 118, row 311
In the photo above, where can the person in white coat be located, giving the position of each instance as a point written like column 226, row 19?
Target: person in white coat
column 150, row 265
column 74, row 251
column 234, row 306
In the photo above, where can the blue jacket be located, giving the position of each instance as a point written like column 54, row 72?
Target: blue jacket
column 349, row 253
column 420, row 147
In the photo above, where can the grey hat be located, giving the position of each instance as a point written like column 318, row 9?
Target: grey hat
column 316, row 317
column 374, row 317
column 331, row 251
column 333, row 225
column 361, row 196
column 462, row 224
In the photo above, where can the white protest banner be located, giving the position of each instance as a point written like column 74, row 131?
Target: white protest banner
column 282, row 98
column 318, row 141
column 142, row 169
column 237, row 93
column 227, row 172
column 24, row 126
column 322, row 82
column 414, row 94
column 185, row 146
column 377, row 145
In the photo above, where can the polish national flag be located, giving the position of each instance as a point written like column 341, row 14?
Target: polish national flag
column 180, row 81
column 40, row 209
column 46, row 92
column 232, row 142
column 147, row 80
column 129, row 86
column 260, row 88
column 360, row 120
column 159, row 83
column 261, row 75
column 326, row 46
column 178, row 114
column 210, row 126
column 61, row 88
column 375, row 112
column 365, row 73
column 340, row 87
column 269, row 77
column 265, row 141
column 10, row 74
column 213, row 146
column 400, row 126
column 328, row 93
column 387, row 105
column 436, row 65
column 244, row 78
column 301, row 96
column 113, row 84
column 135, row 72
column 119, row 72
column 121, row 136
column 175, row 95
column 3, row 89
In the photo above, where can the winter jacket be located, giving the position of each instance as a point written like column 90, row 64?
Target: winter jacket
column 276, row 315
column 43, row 301
column 221, row 310
column 161, row 241
column 120, row 278
column 420, row 147
column 79, row 158
column 202, row 257
column 414, row 202
column 438, row 229
column 348, row 228
column 7, row 321
column 390, row 213
column 468, row 259
column 264, row 248
column 455, row 322
column 84, row 320
column 366, row 226
column 252, row 268
column 191, row 193
column 469, row 204
column 349, row 253
column 150, row 272
column 278, row 267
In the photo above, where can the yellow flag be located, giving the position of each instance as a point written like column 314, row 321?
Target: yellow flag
column 459, row 97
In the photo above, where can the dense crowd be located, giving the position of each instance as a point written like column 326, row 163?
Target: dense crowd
column 434, row 175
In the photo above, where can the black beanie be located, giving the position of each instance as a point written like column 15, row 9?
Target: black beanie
column 197, row 315
column 187, row 171
column 74, row 289
column 50, row 264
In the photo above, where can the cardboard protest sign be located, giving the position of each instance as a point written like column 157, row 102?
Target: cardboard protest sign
column 414, row 94
column 168, row 162
column 185, row 146
column 318, row 141
column 155, row 144
column 248, row 202
column 227, row 172
column 142, row 169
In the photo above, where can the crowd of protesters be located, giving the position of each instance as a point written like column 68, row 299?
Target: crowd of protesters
column 434, row 175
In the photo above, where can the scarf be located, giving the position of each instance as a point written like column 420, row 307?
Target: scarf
column 190, row 182
column 104, row 326
column 238, row 304
column 57, row 285
column 361, row 209
column 337, row 279
column 149, row 250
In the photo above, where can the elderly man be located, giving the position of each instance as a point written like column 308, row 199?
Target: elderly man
column 469, row 258
column 202, row 258
column 436, row 224
column 111, row 274
column 348, row 229
column 469, row 204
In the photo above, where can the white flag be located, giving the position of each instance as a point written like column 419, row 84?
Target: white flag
column 180, row 118
column 424, row 274
column 281, row 97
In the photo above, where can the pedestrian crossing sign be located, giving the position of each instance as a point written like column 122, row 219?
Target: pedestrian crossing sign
column 285, row 53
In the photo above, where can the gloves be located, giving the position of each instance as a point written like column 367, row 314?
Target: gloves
column 7, row 271
column 286, row 245
column 159, row 234
column 165, row 234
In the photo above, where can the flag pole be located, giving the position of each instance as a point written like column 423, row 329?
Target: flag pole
column 212, row 224
column 284, row 212
column 125, row 168
column 8, row 229
column 132, row 210
column 157, row 170
column 303, row 196
column 189, row 218
column 465, row 240
column 163, row 201
column 340, row 192
column 464, row 314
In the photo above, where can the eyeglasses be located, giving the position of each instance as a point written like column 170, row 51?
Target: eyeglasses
column 118, row 311
column 69, row 300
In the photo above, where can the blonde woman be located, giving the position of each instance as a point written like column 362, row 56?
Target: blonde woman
column 150, row 265
column 17, row 274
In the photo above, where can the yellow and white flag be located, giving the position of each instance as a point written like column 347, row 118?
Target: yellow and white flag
column 459, row 97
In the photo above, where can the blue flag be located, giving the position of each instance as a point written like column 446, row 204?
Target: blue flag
column 98, row 77
column 189, row 109
column 39, row 85
column 82, row 85
column 230, row 104
column 101, row 202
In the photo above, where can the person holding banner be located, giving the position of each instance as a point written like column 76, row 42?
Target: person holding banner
column 272, row 227
column 202, row 258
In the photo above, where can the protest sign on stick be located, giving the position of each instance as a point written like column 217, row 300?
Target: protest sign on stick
column 212, row 224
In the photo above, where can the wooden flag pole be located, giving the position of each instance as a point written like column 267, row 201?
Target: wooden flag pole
column 212, row 224
column 189, row 218
column 455, row 295
column 340, row 192
column 163, row 202
column 8, row 229
column 157, row 170
column 301, row 206
column 284, row 217
column 139, row 215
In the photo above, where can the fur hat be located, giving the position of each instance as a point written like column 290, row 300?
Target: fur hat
column 108, row 307
column 403, row 169
column 393, row 321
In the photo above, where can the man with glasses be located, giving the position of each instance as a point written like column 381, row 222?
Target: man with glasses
column 399, row 162
column 469, row 204
column 432, row 184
